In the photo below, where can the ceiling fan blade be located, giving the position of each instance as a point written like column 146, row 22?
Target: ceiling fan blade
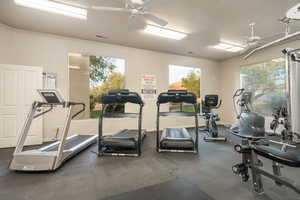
column 250, row 47
column 111, row 9
column 135, row 23
column 155, row 19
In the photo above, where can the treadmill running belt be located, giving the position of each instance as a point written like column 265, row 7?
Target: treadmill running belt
column 125, row 139
column 71, row 142
column 176, row 190
column 177, row 134
column 126, row 134
column 177, row 138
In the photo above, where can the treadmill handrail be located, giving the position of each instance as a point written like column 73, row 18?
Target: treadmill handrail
column 80, row 111
column 46, row 111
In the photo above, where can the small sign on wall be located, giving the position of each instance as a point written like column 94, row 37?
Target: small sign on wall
column 50, row 80
column 148, row 87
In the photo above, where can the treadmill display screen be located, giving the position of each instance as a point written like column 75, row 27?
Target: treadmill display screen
column 50, row 97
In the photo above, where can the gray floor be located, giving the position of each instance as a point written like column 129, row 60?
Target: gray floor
column 88, row 177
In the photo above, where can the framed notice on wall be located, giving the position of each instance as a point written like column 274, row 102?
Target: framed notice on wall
column 148, row 88
column 49, row 80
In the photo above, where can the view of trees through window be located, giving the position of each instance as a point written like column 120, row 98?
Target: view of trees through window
column 184, row 78
column 266, row 81
column 106, row 73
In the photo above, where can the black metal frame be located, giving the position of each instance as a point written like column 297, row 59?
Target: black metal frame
column 184, row 114
column 101, row 138
column 250, row 161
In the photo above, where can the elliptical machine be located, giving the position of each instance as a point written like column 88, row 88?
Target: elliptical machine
column 249, row 123
column 209, row 103
column 250, row 128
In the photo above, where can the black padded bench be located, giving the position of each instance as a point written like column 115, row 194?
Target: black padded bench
column 290, row 158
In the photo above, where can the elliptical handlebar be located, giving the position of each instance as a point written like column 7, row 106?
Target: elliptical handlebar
column 238, row 92
column 219, row 105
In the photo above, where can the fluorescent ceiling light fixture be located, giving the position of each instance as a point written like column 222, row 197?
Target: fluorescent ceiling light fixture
column 74, row 67
column 228, row 46
column 162, row 32
column 75, row 54
column 54, row 7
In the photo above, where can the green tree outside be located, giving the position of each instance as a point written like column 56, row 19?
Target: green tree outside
column 192, row 83
column 266, row 81
column 103, row 78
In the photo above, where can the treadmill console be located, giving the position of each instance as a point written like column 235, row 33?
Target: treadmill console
column 177, row 96
column 177, row 92
column 121, row 97
column 51, row 96
column 119, row 92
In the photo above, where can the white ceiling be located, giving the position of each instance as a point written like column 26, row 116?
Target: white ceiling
column 206, row 21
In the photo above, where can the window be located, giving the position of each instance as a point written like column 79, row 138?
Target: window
column 184, row 78
column 106, row 74
column 90, row 77
column 266, row 81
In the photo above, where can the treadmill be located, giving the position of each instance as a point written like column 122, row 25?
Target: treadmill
column 128, row 141
column 50, row 157
column 177, row 139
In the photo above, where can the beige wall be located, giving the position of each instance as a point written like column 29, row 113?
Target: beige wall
column 79, row 84
column 230, row 79
column 50, row 51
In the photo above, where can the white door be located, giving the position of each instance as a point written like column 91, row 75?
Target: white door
column 18, row 85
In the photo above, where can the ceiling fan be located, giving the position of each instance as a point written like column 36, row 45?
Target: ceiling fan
column 136, row 8
column 253, row 41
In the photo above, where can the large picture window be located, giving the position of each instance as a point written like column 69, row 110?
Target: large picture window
column 90, row 77
column 106, row 73
column 266, row 81
column 184, row 78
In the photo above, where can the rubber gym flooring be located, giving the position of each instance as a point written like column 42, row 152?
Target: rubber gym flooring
column 154, row 176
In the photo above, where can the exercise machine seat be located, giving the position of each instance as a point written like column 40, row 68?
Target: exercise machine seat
column 290, row 158
column 121, row 97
